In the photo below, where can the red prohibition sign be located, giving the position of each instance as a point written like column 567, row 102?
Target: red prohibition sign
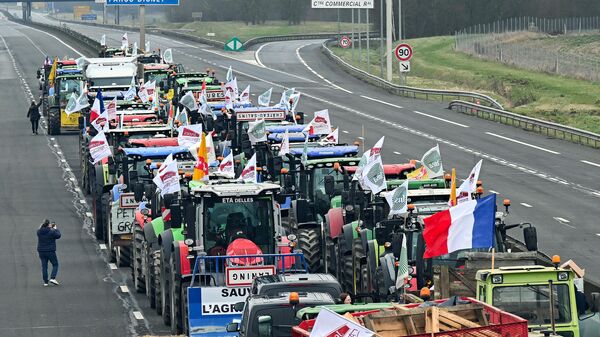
column 345, row 41
column 403, row 52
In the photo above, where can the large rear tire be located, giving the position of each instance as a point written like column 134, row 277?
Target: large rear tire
column 97, row 203
column 53, row 121
column 309, row 241
column 165, row 277
column 156, row 276
column 175, row 296
column 137, row 265
column 184, row 310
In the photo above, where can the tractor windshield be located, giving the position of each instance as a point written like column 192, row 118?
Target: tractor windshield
column 317, row 189
column 227, row 219
column 69, row 86
column 155, row 76
column 532, row 302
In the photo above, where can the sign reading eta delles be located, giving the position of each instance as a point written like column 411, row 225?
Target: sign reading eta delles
column 342, row 3
column 142, row 2
column 221, row 300
column 243, row 276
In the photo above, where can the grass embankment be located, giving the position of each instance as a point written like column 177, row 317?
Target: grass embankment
column 555, row 98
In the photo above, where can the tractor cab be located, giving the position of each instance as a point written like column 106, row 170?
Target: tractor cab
column 181, row 83
column 545, row 296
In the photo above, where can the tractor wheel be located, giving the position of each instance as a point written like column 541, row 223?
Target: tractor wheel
column 97, row 203
column 379, row 285
column 138, row 259
column 358, row 251
column 347, row 270
column 184, row 309
column 124, row 256
column 165, row 280
column 53, row 122
column 331, row 254
column 156, row 276
column 309, row 241
column 366, row 286
column 176, row 303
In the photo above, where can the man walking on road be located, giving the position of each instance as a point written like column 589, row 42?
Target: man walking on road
column 47, row 236
column 34, row 115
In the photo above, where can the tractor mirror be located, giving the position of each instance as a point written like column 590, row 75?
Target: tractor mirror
column 175, row 215
column 239, row 306
column 264, row 326
column 329, row 185
column 138, row 191
column 530, row 236
column 190, row 220
column 595, row 305
column 233, row 327
column 397, row 244
column 112, row 167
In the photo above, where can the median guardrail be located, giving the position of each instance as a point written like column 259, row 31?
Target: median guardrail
column 550, row 129
column 316, row 36
column 405, row 90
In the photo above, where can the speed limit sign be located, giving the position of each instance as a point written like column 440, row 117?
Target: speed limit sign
column 403, row 52
column 345, row 41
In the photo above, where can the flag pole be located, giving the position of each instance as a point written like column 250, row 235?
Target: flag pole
column 493, row 257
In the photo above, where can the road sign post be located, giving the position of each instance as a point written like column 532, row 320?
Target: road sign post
column 403, row 53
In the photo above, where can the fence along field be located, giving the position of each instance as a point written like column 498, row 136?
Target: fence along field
column 506, row 41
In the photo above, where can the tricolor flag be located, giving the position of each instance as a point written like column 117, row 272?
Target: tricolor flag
column 466, row 226
column 249, row 174
column 95, row 111
column 265, row 98
column 201, row 167
column 226, row 167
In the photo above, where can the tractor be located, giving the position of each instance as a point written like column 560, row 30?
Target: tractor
column 68, row 80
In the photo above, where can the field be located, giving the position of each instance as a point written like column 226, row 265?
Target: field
column 555, row 98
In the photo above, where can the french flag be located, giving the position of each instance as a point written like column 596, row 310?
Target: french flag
column 466, row 226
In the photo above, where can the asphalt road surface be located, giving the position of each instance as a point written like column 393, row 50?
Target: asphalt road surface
column 552, row 184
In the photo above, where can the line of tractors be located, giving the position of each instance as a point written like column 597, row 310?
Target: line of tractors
column 305, row 211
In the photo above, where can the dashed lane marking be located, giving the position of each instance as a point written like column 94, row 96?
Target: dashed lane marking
column 398, row 153
column 102, row 246
column 314, row 72
column 112, row 266
column 124, row 289
column 526, row 205
column 590, row 163
column 138, row 315
column 382, row 102
column 440, row 119
column 522, row 143
column 344, row 131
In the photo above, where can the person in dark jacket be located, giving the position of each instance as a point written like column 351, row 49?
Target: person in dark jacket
column 47, row 236
column 34, row 115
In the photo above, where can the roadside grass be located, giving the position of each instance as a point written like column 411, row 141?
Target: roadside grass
column 226, row 30
column 436, row 65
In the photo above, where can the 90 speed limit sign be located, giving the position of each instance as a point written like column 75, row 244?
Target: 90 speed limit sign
column 345, row 41
column 403, row 52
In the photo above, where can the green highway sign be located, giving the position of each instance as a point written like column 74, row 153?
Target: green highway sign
column 234, row 44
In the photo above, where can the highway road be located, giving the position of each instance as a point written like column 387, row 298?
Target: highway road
column 551, row 183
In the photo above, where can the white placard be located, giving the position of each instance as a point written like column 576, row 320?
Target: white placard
column 363, row 4
column 222, row 300
column 243, row 276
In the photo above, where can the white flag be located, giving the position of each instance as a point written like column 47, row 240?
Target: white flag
column 168, row 56
column 130, row 94
column 181, row 117
column 373, row 176
column 402, row 275
column 143, row 94
column 329, row 323
column 361, row 164
column 189, row 135
column 245, row 95
column 285, row 97
column 81, row 62
column 189, row 101
column 320, row 124
column 232, row 87
column 257, row 131
column 376, row 149
column 304, row 158
column 295, row 99
column 265, row 98
column 469, row 186
column 167, row 178
column 101, row 123
column 111, row 109
column 229, row 76
column 103, row 40
column 397, row 199
column 124, row 42
column 228, row 100
column 134, row 52
column 285, row 144
column 147, row 46
column 226, row 166
column 150, row 87
column 249, row 172
column 210, row 148
column 331, row 138
column 99, row 148
column 432, row 160
column 76, row 103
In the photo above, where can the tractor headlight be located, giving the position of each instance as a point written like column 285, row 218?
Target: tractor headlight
column 349, row 208
column 563, row 276
column 497, row 279
column 189, row 242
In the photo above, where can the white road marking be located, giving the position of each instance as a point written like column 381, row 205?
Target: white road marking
column 598, row 234
column 257, row 52
column 57, row 39
column 361, row 138
column 88, row 214
column 124, row 289
column 344, row 131
column 382, row 102
column 113, row 266
column 590, row 163
column 82, row 201
column 522, row 143
column 398, row 153
column 314, row 72
column 440, row 119
column 138, row 315
column 102, row 246
column 526, row 205
column 563, row 221
column 35, row 45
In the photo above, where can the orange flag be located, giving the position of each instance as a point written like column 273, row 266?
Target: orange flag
column 201, row 167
